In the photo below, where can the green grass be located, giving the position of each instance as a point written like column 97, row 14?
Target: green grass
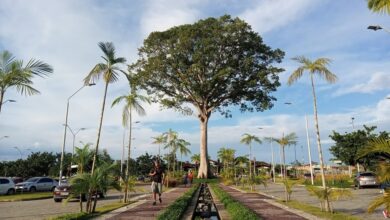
column 317, row 211
column 83, row 216
column 26, row 196
column 179, row 206
column 236, row 210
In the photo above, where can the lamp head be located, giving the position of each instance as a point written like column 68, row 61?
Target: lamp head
column 374, row 27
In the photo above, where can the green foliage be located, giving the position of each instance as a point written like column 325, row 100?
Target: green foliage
column 328, row 194
column 379, row 6
column 288, row 185
column 178, row 207
column 335, row 181
column 236, row 210
column 348, row 145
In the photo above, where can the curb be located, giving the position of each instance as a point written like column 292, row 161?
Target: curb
column 19, row 200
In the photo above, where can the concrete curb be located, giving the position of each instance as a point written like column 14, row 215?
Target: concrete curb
column 272, row 202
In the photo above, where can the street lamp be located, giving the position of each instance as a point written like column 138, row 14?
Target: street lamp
column 66, row 125
column 74, row 138
column 272, row 157
column 21, row 156
column 123, row 146
column 6, row 136
column 308, row 146
column 8, row 100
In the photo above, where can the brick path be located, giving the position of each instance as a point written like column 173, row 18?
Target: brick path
column 264, row 209
column 146, row 210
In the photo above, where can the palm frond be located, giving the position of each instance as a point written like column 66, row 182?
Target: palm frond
column 379, row 6
column 95, row 73
column 38, row 68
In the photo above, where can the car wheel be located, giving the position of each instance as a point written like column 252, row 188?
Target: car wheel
column 57, row 200
column 52, row 189
column 33, row 189
column 359, row 186
column 10, row 192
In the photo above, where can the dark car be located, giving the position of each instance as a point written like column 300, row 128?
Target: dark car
column 365, row 179
column 65, row 190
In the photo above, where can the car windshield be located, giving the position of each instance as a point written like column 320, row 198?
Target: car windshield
column 34, row 179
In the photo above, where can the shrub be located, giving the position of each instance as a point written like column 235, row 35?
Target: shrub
column 179, row 206
column 236, row 210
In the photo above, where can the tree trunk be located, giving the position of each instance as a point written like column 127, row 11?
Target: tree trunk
column 1, row 98
column 250, row 163
column 81, row 203
column 319, row 141
column 204, row 169
column 100, row 129
column 128, row 159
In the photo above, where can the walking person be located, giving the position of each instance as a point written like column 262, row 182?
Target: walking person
column 190, row 177
column 157, row 175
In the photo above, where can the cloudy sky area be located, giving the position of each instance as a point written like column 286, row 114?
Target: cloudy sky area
column 65, row 35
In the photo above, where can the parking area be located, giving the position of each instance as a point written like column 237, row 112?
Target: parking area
column 45, row 208
column 357, row 205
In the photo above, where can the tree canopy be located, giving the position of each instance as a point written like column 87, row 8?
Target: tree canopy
column 211, row 64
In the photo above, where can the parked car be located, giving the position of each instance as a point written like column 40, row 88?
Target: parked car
column 65, row 190
column 37, row 184
column 17, row 179
column 365, row 179
column 7, row 186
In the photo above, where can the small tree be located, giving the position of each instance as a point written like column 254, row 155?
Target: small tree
column 327, row 195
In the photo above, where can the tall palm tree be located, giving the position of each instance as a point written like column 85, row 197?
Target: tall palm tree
column 183, row 150
column 248, row 139
column 132, row 102
column 171, row 144
column 379, row 6
column 284, row 141
column 109, row 71
column 161, row 139
column 14, row 74
column 318, row 67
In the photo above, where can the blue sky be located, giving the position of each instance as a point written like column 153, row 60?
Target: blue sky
column 65, row 34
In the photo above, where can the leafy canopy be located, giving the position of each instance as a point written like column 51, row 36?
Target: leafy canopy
column 210, row 64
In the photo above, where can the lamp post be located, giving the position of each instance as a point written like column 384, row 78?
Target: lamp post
column 8, row 100
column 66, row 126
column 6, row 136
column 308, row 146
column 74, row 138
column 21, row 155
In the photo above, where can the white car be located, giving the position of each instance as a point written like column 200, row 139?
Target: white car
column 37, row 184
column 7, row 186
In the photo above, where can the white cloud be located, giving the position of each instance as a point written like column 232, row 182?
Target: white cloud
column 377, row 82
column 270, row 15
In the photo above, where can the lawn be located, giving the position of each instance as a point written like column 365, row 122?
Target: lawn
column 26, row 196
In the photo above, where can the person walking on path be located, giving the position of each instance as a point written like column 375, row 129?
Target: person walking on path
column 157, row 175
column 190, row 177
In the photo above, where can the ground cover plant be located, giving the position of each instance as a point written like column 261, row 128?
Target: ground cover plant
column 236, row 210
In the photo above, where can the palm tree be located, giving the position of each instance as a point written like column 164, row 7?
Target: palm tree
column 132, row 102
column 195, row 158
column 171, row 136
column 318, row 67
column 270, row 140
column 108, row 70
column 379, row 6
column 92, row 183
column 248, row 139
column 287, row 140
column 326, row 195
column 182, row 147
column 381, row 147
column 13, row 74
column 159, row 140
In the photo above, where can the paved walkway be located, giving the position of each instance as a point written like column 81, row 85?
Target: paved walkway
column 258, row 204
column 144, row 209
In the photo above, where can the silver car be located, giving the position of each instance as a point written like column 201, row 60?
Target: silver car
column 37, row 184
column 7, row 186
column 365, row 179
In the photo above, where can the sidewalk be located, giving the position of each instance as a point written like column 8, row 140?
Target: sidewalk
column 262, row 206
column 144, row 208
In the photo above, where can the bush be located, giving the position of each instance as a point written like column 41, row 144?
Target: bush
column 236, row 210
column 336, row 180
column 179, row 206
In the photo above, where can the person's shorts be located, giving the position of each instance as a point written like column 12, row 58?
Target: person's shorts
column 156, row 187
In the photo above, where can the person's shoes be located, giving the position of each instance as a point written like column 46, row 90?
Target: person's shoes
column 159, row 199
column 154, row 203
column 385, row 214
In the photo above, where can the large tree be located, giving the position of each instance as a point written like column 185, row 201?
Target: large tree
column 109, row 71
column 211, row 64
column 14, row 74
